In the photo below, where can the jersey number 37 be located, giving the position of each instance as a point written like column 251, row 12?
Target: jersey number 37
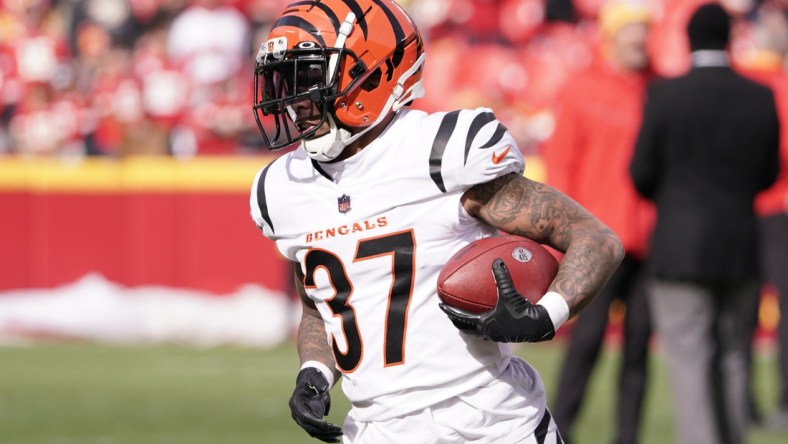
column 400, row 247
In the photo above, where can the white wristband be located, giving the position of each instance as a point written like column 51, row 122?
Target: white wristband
column 556, row 307
column 322, row 368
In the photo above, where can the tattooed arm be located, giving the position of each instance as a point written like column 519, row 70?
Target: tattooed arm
column 311, row 341
column 311, row 400
column 537, row 211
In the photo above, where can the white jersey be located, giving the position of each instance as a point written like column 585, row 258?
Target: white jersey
column 371, row 234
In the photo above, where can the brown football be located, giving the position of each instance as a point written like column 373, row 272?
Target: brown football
column 466, row 281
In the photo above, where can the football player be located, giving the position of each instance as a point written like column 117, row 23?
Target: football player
column 372, row 203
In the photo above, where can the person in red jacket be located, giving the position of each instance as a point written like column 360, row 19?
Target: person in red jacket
column 767, row 62
column 587, row 157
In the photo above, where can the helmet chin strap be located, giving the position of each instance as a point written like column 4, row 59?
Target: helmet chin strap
column 328, row 146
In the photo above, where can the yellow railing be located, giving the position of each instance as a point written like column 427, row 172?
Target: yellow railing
column 97, row 175
column 149, row 173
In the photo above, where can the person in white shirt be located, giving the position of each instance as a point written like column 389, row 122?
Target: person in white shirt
column 208, row 41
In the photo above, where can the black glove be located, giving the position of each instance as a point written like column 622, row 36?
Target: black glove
column 310, row 403
column 513, row 319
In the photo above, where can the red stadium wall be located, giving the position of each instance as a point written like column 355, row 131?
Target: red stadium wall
column 155, row 221
column 145, row 221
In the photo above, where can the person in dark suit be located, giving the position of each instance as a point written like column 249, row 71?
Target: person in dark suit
column 707, row 145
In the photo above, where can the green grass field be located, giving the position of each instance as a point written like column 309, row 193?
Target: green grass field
column 92, row 394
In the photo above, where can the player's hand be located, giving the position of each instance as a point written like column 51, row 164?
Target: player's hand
column 310, row 403
column 513, row 319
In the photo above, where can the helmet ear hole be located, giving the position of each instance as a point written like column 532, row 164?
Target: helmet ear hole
column 373, row 81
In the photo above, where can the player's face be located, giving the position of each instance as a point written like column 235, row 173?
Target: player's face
column 629, row 46
column 306, row 113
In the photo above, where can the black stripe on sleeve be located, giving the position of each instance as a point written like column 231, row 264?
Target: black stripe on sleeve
column 298, row 22
column 541, row 430
column 478, row 123
column 445, row 130
column 496, row 137
column 261, row 202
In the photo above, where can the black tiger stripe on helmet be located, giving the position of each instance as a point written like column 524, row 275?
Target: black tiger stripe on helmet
column 361, row 21
column 332, row 16
column 399, row 33
column 355, row 8
column 299, row 22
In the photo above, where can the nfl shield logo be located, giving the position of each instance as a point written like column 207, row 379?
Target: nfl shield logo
column 343, row 203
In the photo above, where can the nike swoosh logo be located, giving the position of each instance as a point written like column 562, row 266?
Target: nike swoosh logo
column 497, row 158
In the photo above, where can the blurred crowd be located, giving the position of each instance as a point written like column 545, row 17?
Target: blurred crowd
column 174, row 77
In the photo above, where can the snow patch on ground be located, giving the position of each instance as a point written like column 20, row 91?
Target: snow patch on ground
column 95, row 309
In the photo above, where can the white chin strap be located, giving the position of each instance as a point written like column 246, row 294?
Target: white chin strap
column 327, row 147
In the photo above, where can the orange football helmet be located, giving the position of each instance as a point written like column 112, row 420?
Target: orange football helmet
column 357, row 60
